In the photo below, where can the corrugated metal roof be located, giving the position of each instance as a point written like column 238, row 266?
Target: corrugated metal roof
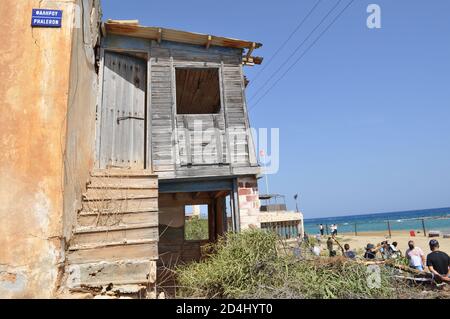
column 132, row 28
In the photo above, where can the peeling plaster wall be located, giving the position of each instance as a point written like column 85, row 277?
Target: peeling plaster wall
column 80, row 144
column 34, row 93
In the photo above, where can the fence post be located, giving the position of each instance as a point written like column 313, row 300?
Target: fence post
column 423, row 226
column 389, row 228
column 356, row 232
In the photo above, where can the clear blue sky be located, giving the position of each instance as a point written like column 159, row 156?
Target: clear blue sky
column 364, row 118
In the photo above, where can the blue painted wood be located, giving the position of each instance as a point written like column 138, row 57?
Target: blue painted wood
column 122, row 43
column 195, row 186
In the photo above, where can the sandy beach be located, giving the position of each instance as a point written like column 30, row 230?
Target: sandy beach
column 357, row 243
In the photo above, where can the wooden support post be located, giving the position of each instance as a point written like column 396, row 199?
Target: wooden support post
column 389, row 228
column 250, row 51
column 424, row 229
column 208, row 42
column 159, row 35
column 237, row 220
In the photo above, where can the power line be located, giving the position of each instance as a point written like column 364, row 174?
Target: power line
column 302, row 55
column 296, row 50
column 286, row 41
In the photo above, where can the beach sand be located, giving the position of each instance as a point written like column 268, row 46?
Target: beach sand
column 357, row 243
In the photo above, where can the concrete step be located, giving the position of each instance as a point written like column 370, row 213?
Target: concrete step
column 113, row 251
column 121, row 206
column 122, row 272
column 96, row 194
column 91, row 219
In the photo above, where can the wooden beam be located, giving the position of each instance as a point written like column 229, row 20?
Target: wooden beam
column 196, row 195
column 220, row 194
column 250, row 50
column 127, row 22
column 208, row 42
column 159, row 35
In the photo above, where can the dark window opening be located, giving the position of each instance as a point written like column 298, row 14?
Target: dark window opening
column 198, row 90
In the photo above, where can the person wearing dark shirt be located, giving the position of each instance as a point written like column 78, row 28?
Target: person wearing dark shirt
column 371, row 251
column 330, row 247
column 438, row 262
column 349, row 253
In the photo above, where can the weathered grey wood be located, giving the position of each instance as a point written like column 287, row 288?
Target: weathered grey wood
column 127, row 205
column 91, row 219
column 123, row 182
column 122, row 136
column 119, row 273
column 112, row 234
column 219, row 143
column 96, row 194
column 97, row 253
column 187, row 137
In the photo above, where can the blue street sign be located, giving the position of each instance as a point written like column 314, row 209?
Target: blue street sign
column 46, row 18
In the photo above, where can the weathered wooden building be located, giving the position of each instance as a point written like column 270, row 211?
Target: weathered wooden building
column 134, row 124
column 172, row 130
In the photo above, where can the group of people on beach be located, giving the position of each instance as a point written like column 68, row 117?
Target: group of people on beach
column 333, row 229
column 436, row 262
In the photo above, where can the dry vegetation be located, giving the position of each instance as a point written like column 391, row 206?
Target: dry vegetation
column 255, row 264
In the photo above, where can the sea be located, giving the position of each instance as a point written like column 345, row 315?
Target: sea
column 436, row 219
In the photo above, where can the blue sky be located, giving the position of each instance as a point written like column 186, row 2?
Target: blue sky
column 364, row 117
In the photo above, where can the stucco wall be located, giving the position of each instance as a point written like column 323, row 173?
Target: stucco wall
column 80, row 142
column 34, row 94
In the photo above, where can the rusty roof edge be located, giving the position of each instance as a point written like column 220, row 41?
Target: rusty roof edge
column 123, row 28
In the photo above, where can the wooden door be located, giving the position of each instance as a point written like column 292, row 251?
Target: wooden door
column 123, row 113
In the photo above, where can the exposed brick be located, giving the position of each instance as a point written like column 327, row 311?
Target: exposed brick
column 253, row 185
column 245, row 191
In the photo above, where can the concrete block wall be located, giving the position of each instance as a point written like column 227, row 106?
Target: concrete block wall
column 249, row 203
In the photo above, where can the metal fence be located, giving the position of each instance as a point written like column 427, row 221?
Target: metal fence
column 414, row 226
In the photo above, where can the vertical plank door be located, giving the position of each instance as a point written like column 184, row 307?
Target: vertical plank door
column 122, row 129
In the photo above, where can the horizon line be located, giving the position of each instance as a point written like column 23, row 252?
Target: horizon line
column 386, row 212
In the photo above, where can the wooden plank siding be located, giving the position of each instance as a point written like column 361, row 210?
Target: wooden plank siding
column 172, row 145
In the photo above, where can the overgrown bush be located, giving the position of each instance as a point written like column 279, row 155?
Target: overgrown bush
column 253, row 264
column 196, row 229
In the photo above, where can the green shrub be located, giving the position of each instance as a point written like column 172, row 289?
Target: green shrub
column 196, row 229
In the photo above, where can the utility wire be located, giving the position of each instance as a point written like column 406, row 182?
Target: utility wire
column 265, row 65
column 302, row 55
column 296, row 50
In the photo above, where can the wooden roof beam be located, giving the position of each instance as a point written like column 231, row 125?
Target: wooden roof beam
column 252, row 60
column 159, row 35
column 208, row 42
column 250, row 50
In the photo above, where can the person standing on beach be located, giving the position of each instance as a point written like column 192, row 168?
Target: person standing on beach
column 330, row 246
column 321, row 229
column 335, row 229
column 415, row 256
column 438, row 262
